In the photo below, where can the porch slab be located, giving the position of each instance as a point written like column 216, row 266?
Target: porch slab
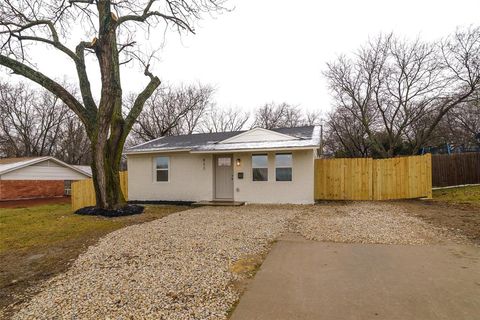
column 218, row 203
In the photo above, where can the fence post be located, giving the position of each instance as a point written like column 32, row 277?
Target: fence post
column 429, row 175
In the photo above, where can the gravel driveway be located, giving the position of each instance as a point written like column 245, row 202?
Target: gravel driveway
column 180, row 267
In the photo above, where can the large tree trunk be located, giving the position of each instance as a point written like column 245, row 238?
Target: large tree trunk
column 107, row 141
column 106, row 178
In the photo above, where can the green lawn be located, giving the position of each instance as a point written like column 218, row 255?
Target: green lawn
column 38, row 242
column 469, row 194
column 45, row 225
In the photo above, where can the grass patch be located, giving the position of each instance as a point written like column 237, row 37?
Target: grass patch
column 468, row 194
column 45, row 225
column 38, row 242
column 456, row 209
column 247, row 266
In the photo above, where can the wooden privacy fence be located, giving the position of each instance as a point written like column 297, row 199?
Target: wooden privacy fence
column 455, row 169
column 369, row 179
column 83, row 193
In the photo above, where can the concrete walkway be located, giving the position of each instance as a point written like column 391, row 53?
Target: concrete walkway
column 314, row 280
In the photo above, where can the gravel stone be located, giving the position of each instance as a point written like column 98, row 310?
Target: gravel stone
column 172, row 268
column 368, row 222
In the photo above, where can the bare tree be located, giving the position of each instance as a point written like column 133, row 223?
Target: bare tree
column 461, row 68
column 345, row 135
column 201, row 99
column 313, row 118
column 172, row 111
column 31, row 121
column 117, row 28
column 35, row 122
column 466, row 121
column 461, row 125
column 223, row 120
column 399, row 91
column 273, row 115
column 73, row 145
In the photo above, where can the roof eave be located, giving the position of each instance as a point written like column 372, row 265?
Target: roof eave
column 256, row 149
column 219, row 151
column 146, row 151
column 41, row 159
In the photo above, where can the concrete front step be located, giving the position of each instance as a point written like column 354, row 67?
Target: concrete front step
column 218, row 203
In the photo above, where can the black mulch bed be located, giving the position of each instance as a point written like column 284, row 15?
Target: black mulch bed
column 127, row 210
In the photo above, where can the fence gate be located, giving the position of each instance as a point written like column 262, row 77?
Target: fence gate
column 369, row 179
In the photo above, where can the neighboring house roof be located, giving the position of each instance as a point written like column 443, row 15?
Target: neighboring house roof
column 306, row 137
column 4, row 161
column 86, row 169
column 12, row 164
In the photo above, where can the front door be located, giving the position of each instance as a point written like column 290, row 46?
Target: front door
column 224, row 177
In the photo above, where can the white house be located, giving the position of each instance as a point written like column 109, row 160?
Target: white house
column 254, row 166
column 38, row 177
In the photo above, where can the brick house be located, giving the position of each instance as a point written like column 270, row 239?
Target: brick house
column 37, row 177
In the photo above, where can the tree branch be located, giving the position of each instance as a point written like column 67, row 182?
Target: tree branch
column 47, row 83
column 85, row 88
column 16, row 33
column 141, row 99
column 148, row 14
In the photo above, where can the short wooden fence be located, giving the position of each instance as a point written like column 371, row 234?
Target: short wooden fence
column 369, row 179
column 83, row 192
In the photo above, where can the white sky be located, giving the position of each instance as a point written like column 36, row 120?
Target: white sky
column 267, row 50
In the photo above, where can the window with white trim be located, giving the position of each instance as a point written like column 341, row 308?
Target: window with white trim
column 260, row 167
column 67, row 187
column 283, row 166
column 162, row 166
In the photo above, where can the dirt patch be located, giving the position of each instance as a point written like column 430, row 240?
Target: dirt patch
column 245, row 269
column 460, row 218
column 25, row 203
column 23, row 270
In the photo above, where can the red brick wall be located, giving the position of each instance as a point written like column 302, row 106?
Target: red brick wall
column 30, row 189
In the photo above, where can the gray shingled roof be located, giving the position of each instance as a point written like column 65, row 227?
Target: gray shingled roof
column 210, row 141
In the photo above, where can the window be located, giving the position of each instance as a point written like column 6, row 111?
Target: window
column 224, row 162
column 283, row 166
column 67, row 187
column 162, row 165
column 260, row 167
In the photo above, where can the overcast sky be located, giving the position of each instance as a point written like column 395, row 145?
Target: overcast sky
column 275, row 50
